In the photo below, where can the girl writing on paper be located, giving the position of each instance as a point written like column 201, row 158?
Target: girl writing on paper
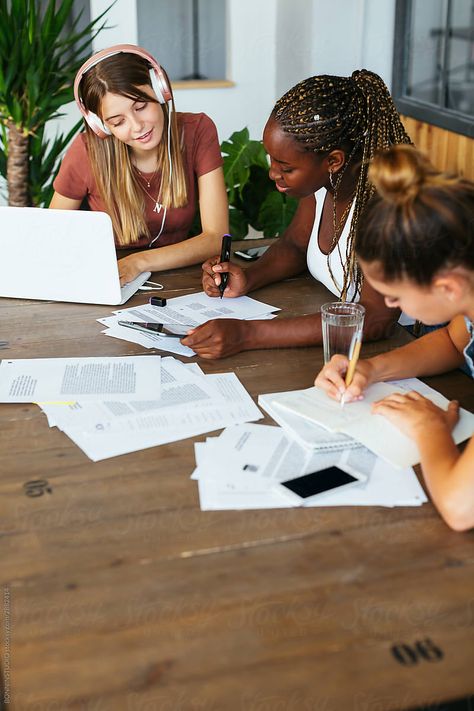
column 320, row 137
column 415, row 244
column 144, row 164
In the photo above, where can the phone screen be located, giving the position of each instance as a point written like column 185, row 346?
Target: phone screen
column 150, row 326
column 175, row 329
column 318, row 482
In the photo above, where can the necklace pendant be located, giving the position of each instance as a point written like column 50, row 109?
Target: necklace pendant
column 157, row 207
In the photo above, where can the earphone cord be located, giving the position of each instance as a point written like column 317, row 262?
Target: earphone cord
column 170, row 109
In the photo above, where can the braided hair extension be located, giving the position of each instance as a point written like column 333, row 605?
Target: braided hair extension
column 356, row 114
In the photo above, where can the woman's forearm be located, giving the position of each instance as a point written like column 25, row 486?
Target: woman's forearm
column 430, row 355
column 182, row 254
column 280, row 261
column 448, row 476
column 283, row 333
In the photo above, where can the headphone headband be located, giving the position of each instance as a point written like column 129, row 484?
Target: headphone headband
column 158, row 79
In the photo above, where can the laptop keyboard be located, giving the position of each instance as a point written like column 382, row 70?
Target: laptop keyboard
column 129, row 289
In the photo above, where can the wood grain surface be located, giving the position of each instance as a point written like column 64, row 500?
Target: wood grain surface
column 121, row 594
column 448, row 151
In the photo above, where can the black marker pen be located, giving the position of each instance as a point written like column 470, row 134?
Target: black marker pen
column 225, row 256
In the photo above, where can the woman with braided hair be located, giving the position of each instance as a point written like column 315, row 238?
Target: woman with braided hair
column 320, row 137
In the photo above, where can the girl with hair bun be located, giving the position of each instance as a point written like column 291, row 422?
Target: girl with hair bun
column 148, row 167
column 320, row 137
column 415, row 244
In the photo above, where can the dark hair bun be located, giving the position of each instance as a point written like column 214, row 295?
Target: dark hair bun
column 399, row 174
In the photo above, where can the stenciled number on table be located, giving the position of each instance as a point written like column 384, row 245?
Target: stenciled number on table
column 37, row 487
column 422, row 650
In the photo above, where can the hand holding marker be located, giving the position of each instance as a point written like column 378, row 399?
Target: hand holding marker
column 225, row 256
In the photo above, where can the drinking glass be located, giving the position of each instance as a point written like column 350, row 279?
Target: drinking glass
column 342, row 323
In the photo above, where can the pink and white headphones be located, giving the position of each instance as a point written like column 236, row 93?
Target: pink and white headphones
column 158, row 79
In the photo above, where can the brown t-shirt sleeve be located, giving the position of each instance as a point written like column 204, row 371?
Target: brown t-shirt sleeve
column 206, row 149
column 74, row 177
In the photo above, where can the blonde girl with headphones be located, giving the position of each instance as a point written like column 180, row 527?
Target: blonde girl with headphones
column 145, row 165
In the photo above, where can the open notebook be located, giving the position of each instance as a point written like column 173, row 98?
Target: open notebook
column 60, row 255
column 357, row 421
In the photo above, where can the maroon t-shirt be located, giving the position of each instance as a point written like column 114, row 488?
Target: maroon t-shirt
column 201, row 154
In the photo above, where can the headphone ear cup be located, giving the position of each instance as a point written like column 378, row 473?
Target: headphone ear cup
column 97, row 125
column 160, row 86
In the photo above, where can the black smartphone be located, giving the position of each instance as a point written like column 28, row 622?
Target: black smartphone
column 250, row 255
column 173, row 330
column 305, row 488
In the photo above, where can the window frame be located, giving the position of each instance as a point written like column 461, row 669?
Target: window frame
column 407, row 105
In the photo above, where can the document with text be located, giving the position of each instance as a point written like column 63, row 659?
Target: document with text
column 71, row 379
column 188, row 407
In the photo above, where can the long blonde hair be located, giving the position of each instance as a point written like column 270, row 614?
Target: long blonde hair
column 110, row 158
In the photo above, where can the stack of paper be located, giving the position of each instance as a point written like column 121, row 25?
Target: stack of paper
column 112, row 406
column 257, row 457
column 191, row 309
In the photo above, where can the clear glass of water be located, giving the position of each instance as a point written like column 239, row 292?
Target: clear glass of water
column 342, row 323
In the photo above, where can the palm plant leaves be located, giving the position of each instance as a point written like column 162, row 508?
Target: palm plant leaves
column 44, row 163
column 40, row 53
column 38, row 60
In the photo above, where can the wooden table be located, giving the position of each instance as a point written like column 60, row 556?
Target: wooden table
column 119, row 593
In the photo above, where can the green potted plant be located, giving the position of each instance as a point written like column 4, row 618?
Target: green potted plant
column 39, row 57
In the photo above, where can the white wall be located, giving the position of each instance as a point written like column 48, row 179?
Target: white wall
column 123, row 21
column 293, row 44
column 353, row 34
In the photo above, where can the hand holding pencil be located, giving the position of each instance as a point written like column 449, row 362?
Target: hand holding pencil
column 354, row 353
column 338, row 375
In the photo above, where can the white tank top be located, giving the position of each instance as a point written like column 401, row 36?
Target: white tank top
column 317, row 261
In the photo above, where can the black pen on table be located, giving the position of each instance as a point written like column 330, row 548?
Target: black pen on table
column 225, row 256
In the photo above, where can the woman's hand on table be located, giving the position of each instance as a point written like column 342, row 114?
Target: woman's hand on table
column 415, row 415
column 218, row 338
column 130, row 267
column 211, row 278
column 331, row 379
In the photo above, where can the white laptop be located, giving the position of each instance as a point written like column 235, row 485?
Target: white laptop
column 60, row 255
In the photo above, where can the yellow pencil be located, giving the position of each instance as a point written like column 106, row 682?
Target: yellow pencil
column 353, row 362
column 353, row 358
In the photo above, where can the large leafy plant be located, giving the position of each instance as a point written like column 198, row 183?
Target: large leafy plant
column 40, row 53
column 253, row 200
